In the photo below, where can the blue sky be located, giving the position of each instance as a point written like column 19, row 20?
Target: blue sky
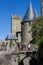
column 15, row 7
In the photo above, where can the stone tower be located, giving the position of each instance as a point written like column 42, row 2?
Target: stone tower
column 16, row 27
column 26, row 25
column 15, row 24
column 42, row 7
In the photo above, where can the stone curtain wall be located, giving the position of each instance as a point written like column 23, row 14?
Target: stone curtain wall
column 8, row 59
column 5, row 60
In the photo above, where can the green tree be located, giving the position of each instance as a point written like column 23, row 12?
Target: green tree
column 37, row 30
column 40, row 53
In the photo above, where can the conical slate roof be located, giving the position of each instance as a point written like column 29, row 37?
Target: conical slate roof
column 30, row 14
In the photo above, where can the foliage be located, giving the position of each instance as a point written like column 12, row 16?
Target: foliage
column 37, row 30
column 19, row 58
column 40, row 53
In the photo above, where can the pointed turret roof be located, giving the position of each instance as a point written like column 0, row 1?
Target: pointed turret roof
column 30, row 14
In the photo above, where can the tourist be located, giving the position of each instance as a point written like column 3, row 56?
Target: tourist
column 28, row 46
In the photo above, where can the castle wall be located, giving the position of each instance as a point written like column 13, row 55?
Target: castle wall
column 26, row 34
column 19, row 38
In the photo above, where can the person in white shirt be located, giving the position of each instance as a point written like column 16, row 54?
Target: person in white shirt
column 28, row 46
